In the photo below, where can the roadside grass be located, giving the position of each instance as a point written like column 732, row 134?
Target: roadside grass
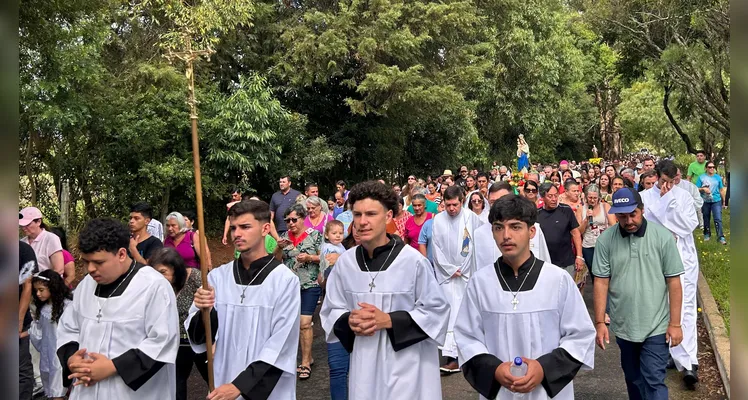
column 714, row 261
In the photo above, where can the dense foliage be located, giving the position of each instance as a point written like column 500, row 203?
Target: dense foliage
column 354, row 89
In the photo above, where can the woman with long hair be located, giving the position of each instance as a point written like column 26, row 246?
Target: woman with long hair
column 595, row 220
column 478, row 204
column 605, row 189
column 611, row 172
column 556, row 181
column 185, row 282
column 51, row 296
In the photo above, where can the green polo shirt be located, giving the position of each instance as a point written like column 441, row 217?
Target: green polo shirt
column 430, row 207
column 695, row 170
column 637, row 265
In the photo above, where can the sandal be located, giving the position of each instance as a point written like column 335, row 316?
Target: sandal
column 298, row 368
column 305, row 372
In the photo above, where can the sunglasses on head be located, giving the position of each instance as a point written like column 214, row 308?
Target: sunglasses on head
column 293, row 220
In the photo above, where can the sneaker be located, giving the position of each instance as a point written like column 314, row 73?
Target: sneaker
column 706, row 238
column 450, row 367
column 722, row 240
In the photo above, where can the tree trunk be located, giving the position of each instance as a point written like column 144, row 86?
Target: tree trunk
column 687, row 140
column 29, row 170
column 165, row 204
column 88, row 203
column 65, row 205
column 606, row 100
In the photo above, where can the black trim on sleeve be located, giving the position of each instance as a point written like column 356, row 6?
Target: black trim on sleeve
column 196, row 330
column 343, row 332
column 258, row 380
column 136, row 368
column 480, row 372
column 64, row 353
column 404, row 332
column 559, row 368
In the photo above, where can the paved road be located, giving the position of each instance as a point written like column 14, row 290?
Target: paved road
column 604, row 382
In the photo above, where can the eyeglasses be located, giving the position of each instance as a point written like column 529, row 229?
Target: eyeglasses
column 531, row 190
column 476, row 201
column 292, row 220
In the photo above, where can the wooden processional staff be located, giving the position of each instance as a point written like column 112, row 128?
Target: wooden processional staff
column 189, row 56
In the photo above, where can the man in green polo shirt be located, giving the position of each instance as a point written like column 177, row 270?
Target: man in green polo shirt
column 638, row 265
column 698, row 167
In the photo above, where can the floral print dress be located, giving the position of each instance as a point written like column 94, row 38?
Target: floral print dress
column 309, row 242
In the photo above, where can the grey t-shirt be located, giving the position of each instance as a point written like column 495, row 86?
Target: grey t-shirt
column 279, row 203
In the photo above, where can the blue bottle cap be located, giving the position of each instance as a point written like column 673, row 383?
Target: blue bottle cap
column 518, row 361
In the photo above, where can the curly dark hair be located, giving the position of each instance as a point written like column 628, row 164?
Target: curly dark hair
column 376, row 191
column 103, row 234
column 58, row 292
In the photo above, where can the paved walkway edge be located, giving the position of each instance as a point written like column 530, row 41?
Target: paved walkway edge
column 715, row 325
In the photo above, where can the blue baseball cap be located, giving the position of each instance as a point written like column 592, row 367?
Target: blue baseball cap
column 625, row 201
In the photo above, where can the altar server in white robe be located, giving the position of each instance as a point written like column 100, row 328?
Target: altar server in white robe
column 454, row 260
column 119, row 337
column 486, row 249
column 385, row 307
column 673, row 208
column 522, row 307
column 255, row 307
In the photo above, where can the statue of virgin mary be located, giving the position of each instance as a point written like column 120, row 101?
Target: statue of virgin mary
column 523, row 153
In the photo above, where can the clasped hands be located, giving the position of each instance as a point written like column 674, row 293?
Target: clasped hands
column 520, row 384
column 368, row 320
column 90, row 370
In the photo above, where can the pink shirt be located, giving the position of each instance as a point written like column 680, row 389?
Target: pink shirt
column 44, row 246
column 322, row 222
column 413, row 230
column 67, row 257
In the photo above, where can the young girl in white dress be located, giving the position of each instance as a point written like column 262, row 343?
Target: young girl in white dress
column 51, row 296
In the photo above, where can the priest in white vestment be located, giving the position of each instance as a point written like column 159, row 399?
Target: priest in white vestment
column 120, row 336
column 522, row 307
column 673, row 208
column 454, row 260
column 255, row 307
column 385, row 307
column 486, row 249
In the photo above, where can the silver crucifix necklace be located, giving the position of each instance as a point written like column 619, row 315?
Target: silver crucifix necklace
column 98, row 290
column 514, row 294
column 253, row 279
column 372, row 285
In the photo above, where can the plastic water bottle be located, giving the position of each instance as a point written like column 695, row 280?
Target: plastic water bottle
column 518, row 369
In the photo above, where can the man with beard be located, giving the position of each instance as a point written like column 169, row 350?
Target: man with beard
column 454, row 260
column 637, row 269
column 461, row 181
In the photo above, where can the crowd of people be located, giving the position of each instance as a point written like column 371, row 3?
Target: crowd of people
column 472, row 265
